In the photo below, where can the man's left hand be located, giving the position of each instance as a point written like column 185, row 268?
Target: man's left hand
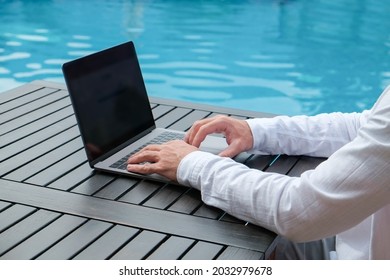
column 161, row 159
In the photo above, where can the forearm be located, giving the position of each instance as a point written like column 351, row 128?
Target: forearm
column 319, row 135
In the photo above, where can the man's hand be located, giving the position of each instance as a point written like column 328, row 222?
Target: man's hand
column 237, row 132
column 161, row 159
column 165, row 159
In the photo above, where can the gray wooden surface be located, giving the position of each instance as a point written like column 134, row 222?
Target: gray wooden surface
column 53, row 206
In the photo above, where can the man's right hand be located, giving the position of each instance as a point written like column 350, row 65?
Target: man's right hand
column 237, row 132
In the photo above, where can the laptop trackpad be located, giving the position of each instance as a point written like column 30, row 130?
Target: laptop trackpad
column 213, row 144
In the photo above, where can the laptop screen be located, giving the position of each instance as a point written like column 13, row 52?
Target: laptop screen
column 109, row 98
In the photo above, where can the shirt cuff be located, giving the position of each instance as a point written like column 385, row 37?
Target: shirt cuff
column 259, row 128
column 191, row 166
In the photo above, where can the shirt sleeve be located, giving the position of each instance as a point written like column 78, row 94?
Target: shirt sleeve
column 319, row 135
column 341, row 192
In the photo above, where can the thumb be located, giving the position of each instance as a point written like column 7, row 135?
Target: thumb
column 230, row 152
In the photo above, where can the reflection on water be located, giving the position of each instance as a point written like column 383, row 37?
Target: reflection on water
column 284, row 57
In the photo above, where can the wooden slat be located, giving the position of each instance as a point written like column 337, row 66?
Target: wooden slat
column 23, row 229
column 33, row 116
column 4, row 205
column 35, row 151
column 165, row 196
column 229, row 218
column 186, row 122
column 138, row 216
column 141, row 192
column 93, row 184
column 56, row 170
column 18, row 92
column 172, row 249
column 260, row 162
column 234, row 253
column 243, row 157
column 26, row 98
column 171, row 117
column 44, row 239
column 283, row 164
column 188, row 202
column 76, row 241
column 106, row 245
column 304, row 164
column 36, row 131
column 161, row 110
column 13, row 214
column 47, row 161
column 33, row 105
column 116, row 188
column 203, row 251
column 140, row 246
column 73, row 178
column 206, row 211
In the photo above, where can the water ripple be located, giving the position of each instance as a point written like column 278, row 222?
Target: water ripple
column 34, row 38
column 13, row 43
column 4, row 70
column 37, row 72
column 77, row 45
column 14, row 56
column 263, row 65
column 182, row 64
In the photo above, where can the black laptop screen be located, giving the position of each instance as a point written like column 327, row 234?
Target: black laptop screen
column 109, row 98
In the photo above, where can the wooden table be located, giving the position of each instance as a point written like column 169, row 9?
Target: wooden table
column 54, row 206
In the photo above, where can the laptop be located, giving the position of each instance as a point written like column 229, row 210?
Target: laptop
column 113, row 112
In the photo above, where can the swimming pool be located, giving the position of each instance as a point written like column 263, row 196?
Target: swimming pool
column 283, row 57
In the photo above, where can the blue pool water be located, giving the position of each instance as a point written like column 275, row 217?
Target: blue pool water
column 279, row 56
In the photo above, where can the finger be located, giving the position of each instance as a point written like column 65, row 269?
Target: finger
column 147, row 148
column 194, row 130
column 153, row 147
column 172, row 142
column 144, row 156
column 231, row 151
column 142, row 168
column 207, row 129
column 199, row 125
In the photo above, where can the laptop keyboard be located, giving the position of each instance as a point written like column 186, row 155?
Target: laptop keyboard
column 164, row 137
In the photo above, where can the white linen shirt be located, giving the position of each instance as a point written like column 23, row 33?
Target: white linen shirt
column 348, row 195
